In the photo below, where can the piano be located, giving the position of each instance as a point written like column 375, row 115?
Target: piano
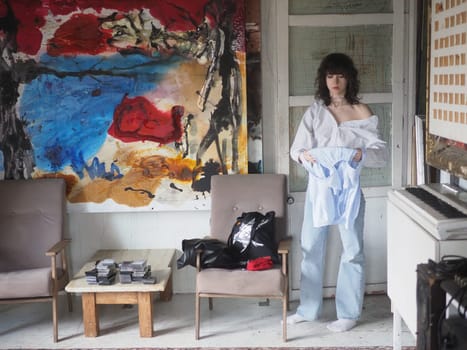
column 440, row 208
column 423, row 222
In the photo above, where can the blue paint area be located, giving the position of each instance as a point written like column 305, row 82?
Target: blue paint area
column 68, row 114
column 132, row 63
column 2, row 168
column 97, row 169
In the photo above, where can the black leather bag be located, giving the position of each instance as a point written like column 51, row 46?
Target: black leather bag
column 253, row 236
column 215, row 253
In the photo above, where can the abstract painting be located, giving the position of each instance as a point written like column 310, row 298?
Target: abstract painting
column 136, row 104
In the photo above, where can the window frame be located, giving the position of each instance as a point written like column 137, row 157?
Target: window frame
column 277, row 101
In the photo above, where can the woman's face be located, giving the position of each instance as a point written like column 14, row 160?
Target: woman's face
column 337, row 84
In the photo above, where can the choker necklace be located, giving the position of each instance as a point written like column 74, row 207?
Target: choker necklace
column 339, row 102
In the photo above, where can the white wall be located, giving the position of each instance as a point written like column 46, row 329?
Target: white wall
column 90, row 232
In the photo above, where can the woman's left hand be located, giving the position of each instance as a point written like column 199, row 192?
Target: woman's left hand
column 358, row 155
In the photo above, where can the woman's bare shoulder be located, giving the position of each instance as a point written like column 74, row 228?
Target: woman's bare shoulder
column 363, row 111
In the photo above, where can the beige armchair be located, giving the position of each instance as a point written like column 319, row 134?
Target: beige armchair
column 231, row 195
column 33, row 262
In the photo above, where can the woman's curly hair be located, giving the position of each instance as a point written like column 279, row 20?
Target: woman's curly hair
column 337, row 63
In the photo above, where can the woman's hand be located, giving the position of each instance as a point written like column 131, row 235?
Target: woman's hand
column 358, row 155
column 308, row 157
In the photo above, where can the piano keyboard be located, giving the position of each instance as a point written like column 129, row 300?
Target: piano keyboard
column 434, row 208
column 444, row 208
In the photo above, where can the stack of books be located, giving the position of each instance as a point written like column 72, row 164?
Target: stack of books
column 140, row 270
column 103, row 273
column 126, row 271
column 136, row 271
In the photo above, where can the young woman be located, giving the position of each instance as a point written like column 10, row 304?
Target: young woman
column 336, row 137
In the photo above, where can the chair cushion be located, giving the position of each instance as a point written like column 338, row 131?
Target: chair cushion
column 25, row 283
column 241, row 282
column 31, row 211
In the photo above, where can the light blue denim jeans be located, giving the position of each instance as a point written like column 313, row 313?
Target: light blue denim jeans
column 351, row 277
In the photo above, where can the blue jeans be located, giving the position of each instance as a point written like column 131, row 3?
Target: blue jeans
column 351, row 278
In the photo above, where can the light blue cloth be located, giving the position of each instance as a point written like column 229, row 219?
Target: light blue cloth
column 351, row 278
column 334, row 185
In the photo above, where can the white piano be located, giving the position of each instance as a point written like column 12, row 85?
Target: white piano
column 423, row 222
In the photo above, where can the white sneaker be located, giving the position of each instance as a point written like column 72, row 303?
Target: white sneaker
column 295, row 318
column 341, row 325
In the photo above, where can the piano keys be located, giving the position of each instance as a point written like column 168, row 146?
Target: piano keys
column 441, row 209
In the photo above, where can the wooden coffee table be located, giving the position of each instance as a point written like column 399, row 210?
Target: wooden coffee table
column 133, row 293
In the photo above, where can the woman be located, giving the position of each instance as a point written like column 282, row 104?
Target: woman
column 336, row 137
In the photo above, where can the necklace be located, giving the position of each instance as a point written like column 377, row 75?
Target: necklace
column 338, row 101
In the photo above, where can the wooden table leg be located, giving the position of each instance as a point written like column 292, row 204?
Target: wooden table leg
column 145, row 314
column 166, row 295
column 90, row 315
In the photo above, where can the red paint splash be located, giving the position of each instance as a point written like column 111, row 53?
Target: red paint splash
column 136, row 119
column 173, row 15
column 3, row 9
column 30, row 17
column 79, row 35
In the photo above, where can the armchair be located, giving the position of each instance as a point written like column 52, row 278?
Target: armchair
column 32, row 216
column 230, row 196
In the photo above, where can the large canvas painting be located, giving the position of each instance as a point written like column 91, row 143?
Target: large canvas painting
column 136, row 103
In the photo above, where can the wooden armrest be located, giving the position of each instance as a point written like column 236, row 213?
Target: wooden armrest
column 284, row 245
column 58, row 247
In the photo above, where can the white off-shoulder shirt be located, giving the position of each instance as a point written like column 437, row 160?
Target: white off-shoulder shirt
column 318, row 128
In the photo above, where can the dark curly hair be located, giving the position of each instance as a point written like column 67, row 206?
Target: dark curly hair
column 337, row 63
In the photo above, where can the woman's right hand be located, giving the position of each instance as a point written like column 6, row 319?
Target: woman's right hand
column 308, row 157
